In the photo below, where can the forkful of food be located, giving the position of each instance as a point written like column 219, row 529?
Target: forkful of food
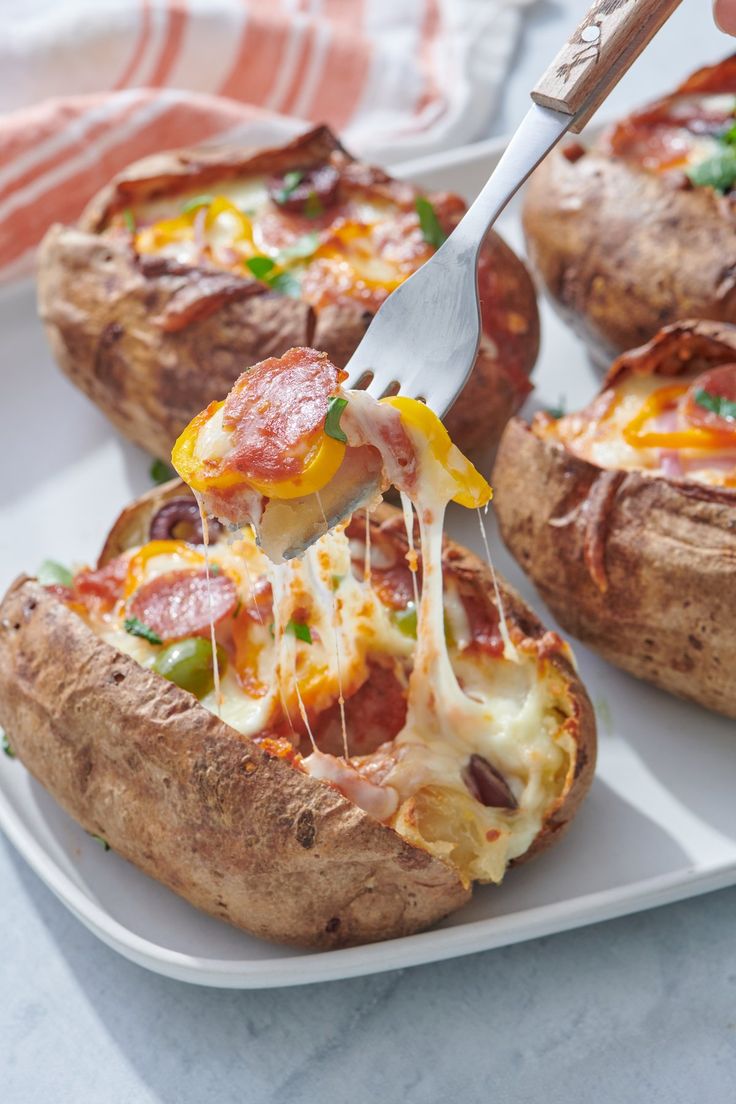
column 298, row 445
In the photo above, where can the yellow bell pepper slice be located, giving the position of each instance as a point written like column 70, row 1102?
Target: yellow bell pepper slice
column 692, row 438
column 221, row 205
column 320, row 465
column 473, row 489
column 150, row 239
column 139, row 560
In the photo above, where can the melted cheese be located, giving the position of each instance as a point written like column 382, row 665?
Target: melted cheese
column 510, row 710
column 598, row 435
column 360, row 250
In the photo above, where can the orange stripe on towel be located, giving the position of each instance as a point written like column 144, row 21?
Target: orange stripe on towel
column 176, row 23
column 140, row 45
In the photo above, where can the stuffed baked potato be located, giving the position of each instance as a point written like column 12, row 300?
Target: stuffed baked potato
column 107, row 695
column 628, row 526
column 192, row 265
column 639, row 230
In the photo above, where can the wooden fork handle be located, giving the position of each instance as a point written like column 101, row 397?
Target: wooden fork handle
column 591, row 63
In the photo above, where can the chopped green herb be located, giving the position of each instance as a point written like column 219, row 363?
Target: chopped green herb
column 129, row 220
column 432, row 232
column 270, row 629
column 335, row 407
column 102, row 842
column 300, row 631
column 238, row 607
column 160, row 472
column 286, row 284
column 313, row 207
column 264, row 268
column 291, row 181
column 336, row 580
column 304, row 246
column 51, row 573
column 6, row 747
column 214, row 569
column 718, row 404
column 557, row 411
column 260, row 266
column 195, row 203
column 718, row 172
column 137, row 628
column 730, row 136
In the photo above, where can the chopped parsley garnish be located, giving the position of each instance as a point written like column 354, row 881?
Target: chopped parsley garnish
column 129, row 220
column 214, row 569
column 432, row 232
column 136, row 628
column 51, row 573
column 717, row 404
column 335, row 407
column 557, row 411
column 99, row 839
column 6, row 747
column 266, row 270
column 260, row 266
column 336, row 580
column 718, row 171
column 300, row 630
column 161, row 472
column 197, row 202
column 292, row 180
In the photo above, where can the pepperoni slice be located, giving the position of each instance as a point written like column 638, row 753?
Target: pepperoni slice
column 483, row 620
column 276, row 409
column 374, row 714
column 718, row 383
column 176, row 604
column 105, row 584
column 394, row 585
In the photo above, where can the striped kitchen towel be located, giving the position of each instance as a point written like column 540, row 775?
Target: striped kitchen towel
column 90, row 85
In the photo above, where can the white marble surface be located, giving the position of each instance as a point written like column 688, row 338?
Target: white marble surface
column 636, row 1010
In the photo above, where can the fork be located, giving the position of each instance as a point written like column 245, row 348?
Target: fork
column 424, row 339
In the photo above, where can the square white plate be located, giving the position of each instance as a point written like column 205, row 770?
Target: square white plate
column 659, row 823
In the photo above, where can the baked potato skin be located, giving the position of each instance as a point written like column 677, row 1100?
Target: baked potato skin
column 153, row 342
column 623, row 252
column 235, row 831
column 238, row 833
column 641, row 569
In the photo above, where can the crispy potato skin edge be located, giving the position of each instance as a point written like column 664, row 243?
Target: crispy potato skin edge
column 622, row 252
column 103, row 310
column 174, row 790
column 668, row 555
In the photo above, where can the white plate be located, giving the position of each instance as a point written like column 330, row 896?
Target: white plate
column 658, row 824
